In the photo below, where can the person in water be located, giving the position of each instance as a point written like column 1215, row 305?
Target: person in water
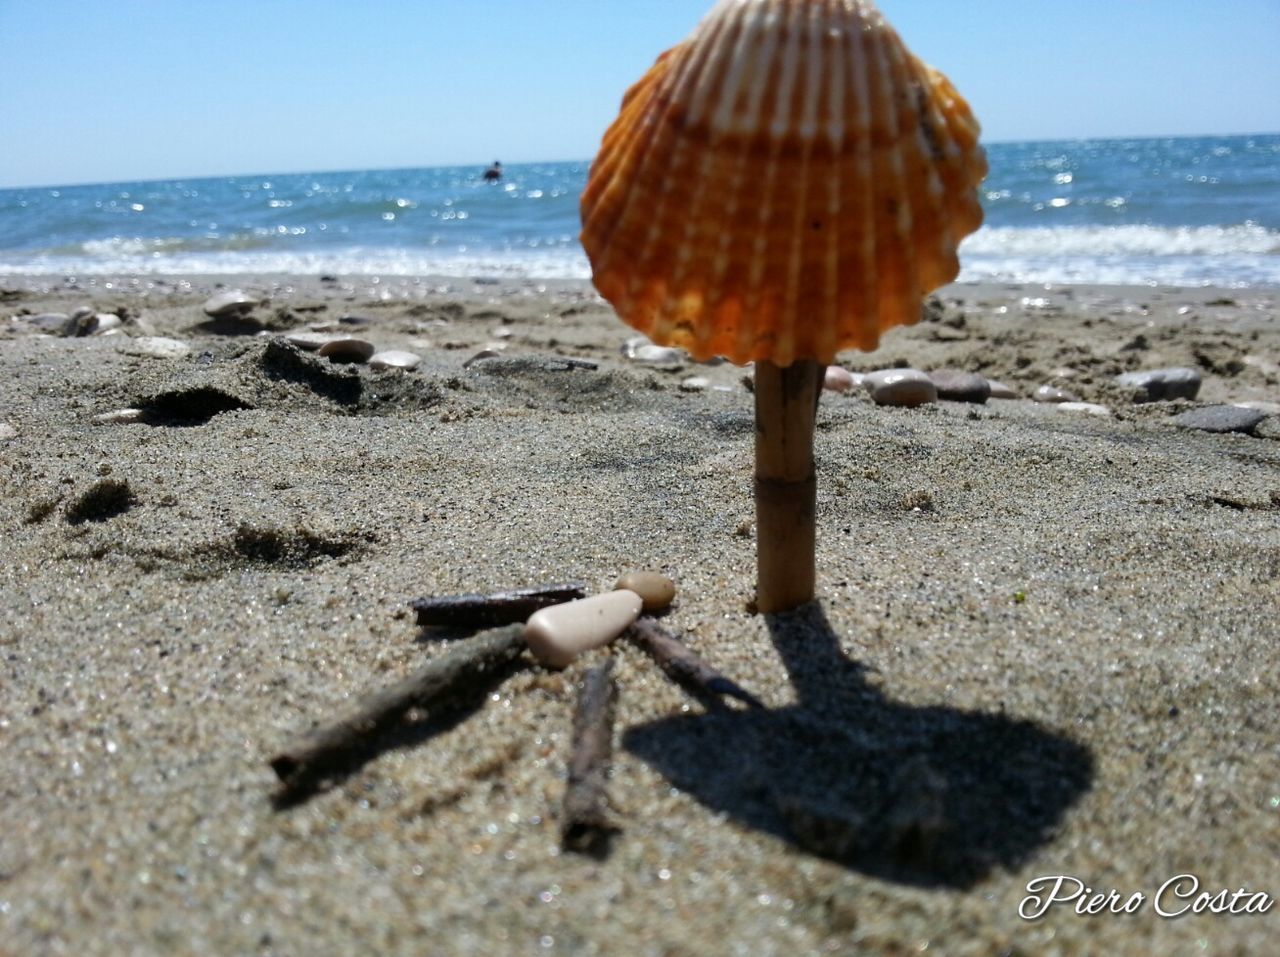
column 493, row 173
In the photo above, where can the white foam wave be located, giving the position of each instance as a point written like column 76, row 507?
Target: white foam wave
column 1248, row 239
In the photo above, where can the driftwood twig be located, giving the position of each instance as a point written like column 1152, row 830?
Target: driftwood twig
column 684, row 667
column 497, row 608
column 585, row 825
column 442, row 684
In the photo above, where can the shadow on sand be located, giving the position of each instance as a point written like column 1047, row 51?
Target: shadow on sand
column 929, row 796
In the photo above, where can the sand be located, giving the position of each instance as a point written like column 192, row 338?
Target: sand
column 1045, row 642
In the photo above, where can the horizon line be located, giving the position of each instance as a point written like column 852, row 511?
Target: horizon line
column 536, row 162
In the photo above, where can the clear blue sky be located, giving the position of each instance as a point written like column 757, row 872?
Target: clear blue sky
column 105, row 90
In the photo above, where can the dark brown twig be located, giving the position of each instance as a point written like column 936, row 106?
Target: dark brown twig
column 498, row 608
column 585, row 826
column 685, row 668
column 437, row 687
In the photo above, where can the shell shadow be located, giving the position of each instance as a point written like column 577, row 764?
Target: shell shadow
column 929, row 796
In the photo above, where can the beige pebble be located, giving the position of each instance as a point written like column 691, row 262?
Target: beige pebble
column 838, row 379
column 347, row 350
column 655, row 590
column 394, row 359
column 557, row 635
column 696, row 383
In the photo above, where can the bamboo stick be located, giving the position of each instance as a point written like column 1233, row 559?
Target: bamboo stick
column 785, row 484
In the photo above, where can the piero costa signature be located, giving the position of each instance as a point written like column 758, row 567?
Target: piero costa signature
column 1179, row 896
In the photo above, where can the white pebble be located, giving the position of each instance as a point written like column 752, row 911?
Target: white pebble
column 559, row 634
column 120, row 417
column 695, row 383
column 231, row 303
column 1090, row 408
column 394, row 359
column 7, row 431
column 157, row 347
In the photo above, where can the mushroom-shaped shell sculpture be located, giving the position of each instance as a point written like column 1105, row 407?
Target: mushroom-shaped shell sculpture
column 787, row 182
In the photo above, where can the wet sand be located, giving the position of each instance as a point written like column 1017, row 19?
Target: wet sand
column 1045, row 642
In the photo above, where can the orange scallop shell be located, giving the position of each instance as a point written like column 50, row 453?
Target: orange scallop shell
column 787, row 182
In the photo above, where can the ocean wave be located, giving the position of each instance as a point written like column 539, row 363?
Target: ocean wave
column 1247, row 239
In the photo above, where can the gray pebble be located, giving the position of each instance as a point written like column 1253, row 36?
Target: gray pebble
column 7, row 431
column 234, row 302
column 1221, row 418
column 900, row 387
column 394, row 359
column 347, row 350
column 57, row 323
column 957, row 386
column 1051, row 393
column 1154, row 385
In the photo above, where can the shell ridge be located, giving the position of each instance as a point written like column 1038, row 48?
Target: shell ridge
column 746, row 100
column 631, row 155
column 764, row 96
column 678, row 299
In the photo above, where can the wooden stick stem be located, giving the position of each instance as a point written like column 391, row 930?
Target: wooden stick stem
column 786, row 487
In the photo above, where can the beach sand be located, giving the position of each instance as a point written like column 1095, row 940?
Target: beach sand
column 1045, row 642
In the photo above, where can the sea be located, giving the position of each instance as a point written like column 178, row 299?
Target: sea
column 1194, row 211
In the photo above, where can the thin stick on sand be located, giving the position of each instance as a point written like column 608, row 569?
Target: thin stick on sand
column 495, row 608
column 585, row 825
column 685, row 668
column 786, row 486
column 464, row 670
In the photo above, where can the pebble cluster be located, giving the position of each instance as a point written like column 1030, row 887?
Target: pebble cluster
column 233, row 311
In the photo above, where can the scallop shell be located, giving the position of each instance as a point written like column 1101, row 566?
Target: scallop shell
column 787, row 182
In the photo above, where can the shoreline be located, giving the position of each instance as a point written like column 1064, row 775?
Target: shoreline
column 1047, row 635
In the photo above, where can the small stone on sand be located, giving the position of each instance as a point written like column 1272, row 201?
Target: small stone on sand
column 394, row 359
column 158, row 347
column 655, row 590
column 234, row 302
column 900, row 387
column 1155, row 385
column 1001, row 391
column 1051, row 393
column 1221, row 418
column 559, row 634
column 838, row 379
column 1089, row 408
column 310, row 341
column 955, row 385
column 349, row 350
